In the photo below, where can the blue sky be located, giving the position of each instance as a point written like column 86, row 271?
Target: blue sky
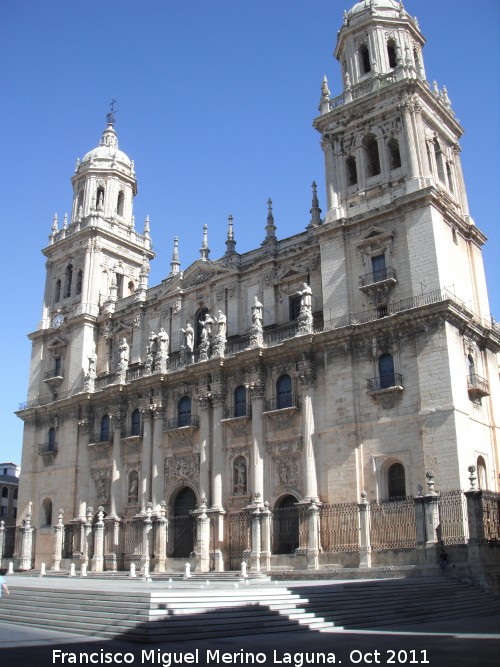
column 215, row 104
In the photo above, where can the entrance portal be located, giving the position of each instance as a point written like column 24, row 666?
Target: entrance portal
column 183, row 523
column 286, row 526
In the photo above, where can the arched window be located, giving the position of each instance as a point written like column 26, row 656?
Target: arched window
column 15, row 494
column 240, row 401
column 80, row 202
column 391, row 53
column 120, row 203
column 79, row 281
column 371, row 155
column 68, row 278
column 438, row 155
column 481, row 473
column 57, row 295
column 105, row 429
column 51, row 445
column 184, row 411
column 394, row 154
column 5, row 492
column 396, row 482
column 471, row 369
column 119, row 285
column 352, row 172
column 284, row 391
column 47, row 512
column 450, row 177
column 135, row 422
column 386, row 371
column 364, row 57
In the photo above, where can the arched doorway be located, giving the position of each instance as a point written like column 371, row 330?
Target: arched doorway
column 183, row 523
column 286, row 526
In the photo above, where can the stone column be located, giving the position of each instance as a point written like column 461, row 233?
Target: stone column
column 365, row 549
column 146, row 539
column 202, row 563
column 411, row 153
column 85, row 426
column 332, row 194
column 475, row 518
column 116, row 499
column 460, row 180
column 265, row 532
column 98, row 557
column 87, row 536
column 307, row 378
column 217, row 441
column 58, row 542
column 431, row 511
column 258, row 440
column 161, row 540
column 313, row 541
column 256, row 537
column 204, row 447
column 158, row 476
column 147, row 437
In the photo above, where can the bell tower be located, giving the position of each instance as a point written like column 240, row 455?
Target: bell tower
column 94, row 260
column 391, row 146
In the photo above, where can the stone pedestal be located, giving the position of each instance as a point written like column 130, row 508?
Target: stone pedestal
column 58, row 542
column 146, row 540
column 365, row 549
column 161, row 540
column 98, row 557
column 202, row 558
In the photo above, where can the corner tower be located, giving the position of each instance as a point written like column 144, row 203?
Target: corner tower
column 93, row 260
column 400, row 253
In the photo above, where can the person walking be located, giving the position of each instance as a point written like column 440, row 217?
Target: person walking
column 3, row 586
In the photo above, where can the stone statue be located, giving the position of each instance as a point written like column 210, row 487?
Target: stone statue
column 306, row 298
column 221, row 325
column 188, row 337
column 207, row 328
column 240, row 476
column 163, row 341
column 257, row 308
column 124, row 352
column 133, row 491
column 152, row 342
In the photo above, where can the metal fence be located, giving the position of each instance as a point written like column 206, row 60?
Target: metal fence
column 453, row 527
column 339, row 527
column 392, row 524
column 132, row 542
column 491, row 515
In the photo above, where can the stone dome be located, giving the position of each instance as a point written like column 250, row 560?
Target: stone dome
column 385, row 7
column 108, row 150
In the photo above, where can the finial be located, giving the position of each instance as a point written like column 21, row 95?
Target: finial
column 55, row 224
column 204, row 250
column 270, row 227
column 175, row 264
column 445, row 98
column 401, row 9
column 346, row 19
column 77, row 165
column 110, row 117
column 65, row 221
column 230, row 243
column 315, row 209
column 325, row 90
column 435, row 88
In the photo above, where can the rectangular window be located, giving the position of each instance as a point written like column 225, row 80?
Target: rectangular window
column 294, row 307
column 378, row 268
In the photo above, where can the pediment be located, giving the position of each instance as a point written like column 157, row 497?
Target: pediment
column 202, row 272
column 56, row 342
column 376, row 235
column 290, row 274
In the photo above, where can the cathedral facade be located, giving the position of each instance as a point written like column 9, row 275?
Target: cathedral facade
column 345, row 361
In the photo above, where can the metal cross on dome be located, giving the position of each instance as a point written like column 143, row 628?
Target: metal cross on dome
column 110, row 117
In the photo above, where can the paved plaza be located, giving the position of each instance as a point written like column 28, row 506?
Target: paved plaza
column 473, row 641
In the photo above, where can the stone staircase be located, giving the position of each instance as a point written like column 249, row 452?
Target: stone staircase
column 180, row 611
